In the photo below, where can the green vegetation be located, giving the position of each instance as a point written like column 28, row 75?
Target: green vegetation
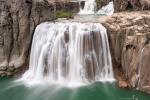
column 63, row 14
column 98, row 1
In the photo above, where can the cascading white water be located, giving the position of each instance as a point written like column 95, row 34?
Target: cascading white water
column 69, row 53
column 107, row 10
column 90, row 8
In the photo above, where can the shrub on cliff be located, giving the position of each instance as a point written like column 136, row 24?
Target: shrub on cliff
column 63, row 14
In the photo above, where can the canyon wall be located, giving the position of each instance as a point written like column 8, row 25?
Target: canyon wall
column 129, row 34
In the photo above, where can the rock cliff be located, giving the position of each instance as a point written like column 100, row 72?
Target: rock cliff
column 129, row 34
column 124, row 5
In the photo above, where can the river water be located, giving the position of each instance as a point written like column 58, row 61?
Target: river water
column 10, row 90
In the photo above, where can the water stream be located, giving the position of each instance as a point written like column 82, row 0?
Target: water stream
column 69, row 53
column 90, row 7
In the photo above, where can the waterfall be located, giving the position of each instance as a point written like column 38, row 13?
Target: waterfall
column 69, row 52
column 107, row 10
column 90, row 8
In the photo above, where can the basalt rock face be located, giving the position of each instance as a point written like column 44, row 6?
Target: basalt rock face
column 15, row 37
column 123, row 5
column 134, row 5
column 129, row 35
column 18, row 18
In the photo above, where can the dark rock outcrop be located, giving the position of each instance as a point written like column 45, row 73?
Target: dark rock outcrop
column 131, row 5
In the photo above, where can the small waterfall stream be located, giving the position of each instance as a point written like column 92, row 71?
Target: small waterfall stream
column 90, row 8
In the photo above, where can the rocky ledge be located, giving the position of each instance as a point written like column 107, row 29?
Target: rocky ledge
column 129, row 34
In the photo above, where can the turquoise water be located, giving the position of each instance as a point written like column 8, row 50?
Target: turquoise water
column 9, row 90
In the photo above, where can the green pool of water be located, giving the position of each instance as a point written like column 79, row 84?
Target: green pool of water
column 10, row 90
